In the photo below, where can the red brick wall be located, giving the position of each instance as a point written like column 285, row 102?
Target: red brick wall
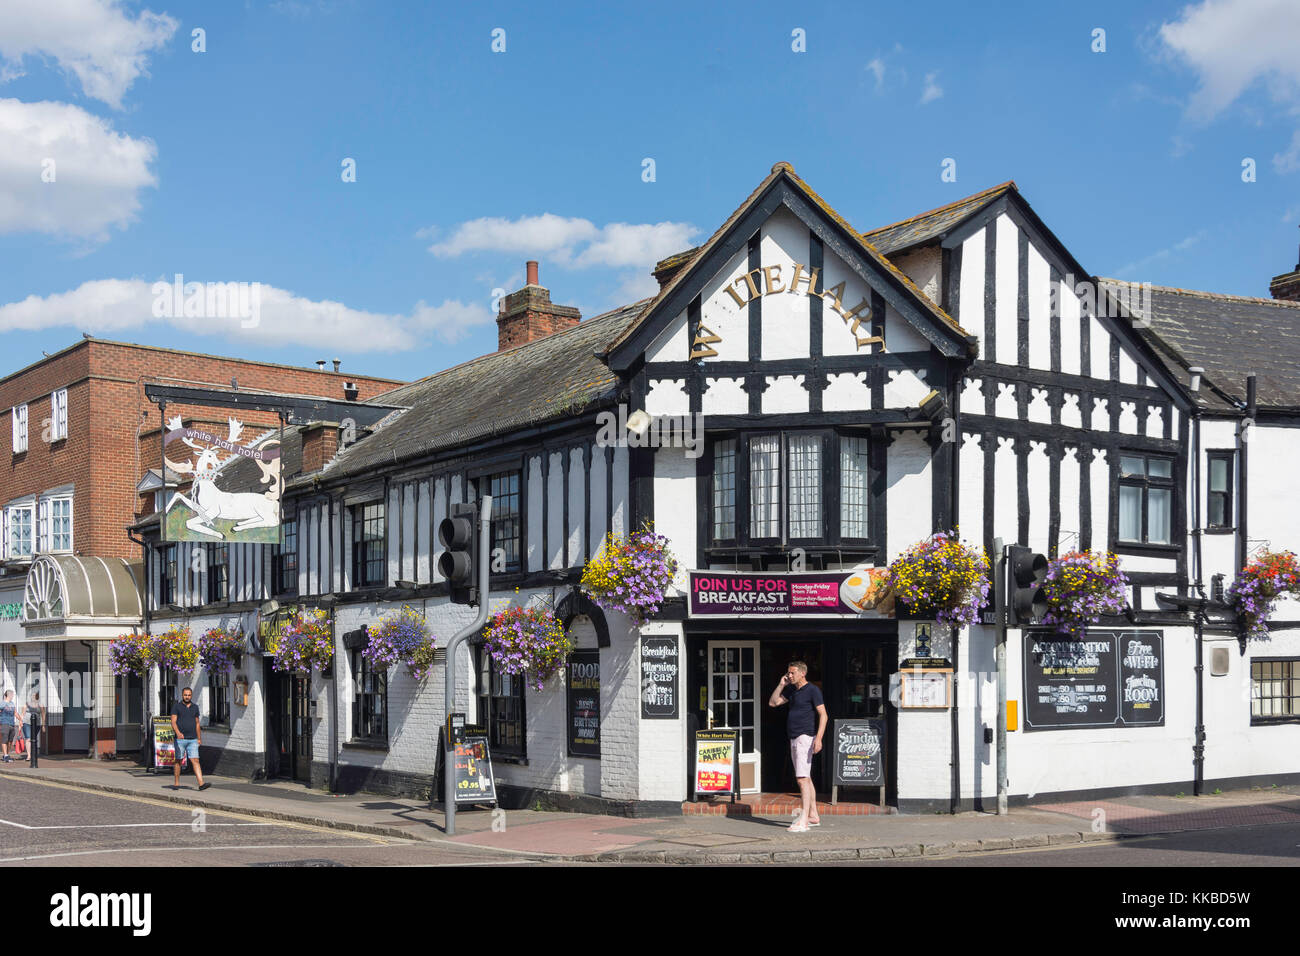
column 113, row 433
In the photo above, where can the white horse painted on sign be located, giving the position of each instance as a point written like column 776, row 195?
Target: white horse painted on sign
column 248, row 509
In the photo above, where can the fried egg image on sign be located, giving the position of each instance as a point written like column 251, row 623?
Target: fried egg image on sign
column 856, row 589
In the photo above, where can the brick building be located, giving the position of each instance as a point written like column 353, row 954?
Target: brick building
column 81, row 435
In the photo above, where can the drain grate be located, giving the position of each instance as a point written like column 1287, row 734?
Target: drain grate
column 317, row 862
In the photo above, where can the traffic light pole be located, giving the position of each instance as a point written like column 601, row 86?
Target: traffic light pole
column 1000, row 652
column 464, row 634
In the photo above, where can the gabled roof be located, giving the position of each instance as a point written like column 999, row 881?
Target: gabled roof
column 783, row 173
column 1229, row 336
column 530, row 384
column 929, row 225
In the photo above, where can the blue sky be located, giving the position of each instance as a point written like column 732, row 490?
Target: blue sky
column 226, row 165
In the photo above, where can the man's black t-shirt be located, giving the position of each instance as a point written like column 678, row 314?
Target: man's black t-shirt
column 802, row 718
column 187, row 718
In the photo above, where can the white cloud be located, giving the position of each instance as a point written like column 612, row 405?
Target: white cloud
column 1289, row 161
column 877, row 68
column 573, row 242
column 1181, row 245
column 1232, row 44
column 932, row 89
column 95, row 40
column 98, row 173
column 113, row 305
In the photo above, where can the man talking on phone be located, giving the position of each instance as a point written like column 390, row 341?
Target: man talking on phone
column 805, row 724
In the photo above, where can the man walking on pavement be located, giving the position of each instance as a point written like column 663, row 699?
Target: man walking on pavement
column 805, row 724
column 185, row 724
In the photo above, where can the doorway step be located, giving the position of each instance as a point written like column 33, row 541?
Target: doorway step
column 777, row 805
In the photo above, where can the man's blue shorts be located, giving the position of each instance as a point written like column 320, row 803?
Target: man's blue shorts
column 187, row 747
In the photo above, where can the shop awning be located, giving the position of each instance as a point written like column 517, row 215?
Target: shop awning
column 82, row 594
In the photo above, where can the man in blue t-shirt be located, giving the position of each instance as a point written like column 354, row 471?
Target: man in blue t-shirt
column 805, row 724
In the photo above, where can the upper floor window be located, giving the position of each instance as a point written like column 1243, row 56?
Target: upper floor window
column 785, row 487
column 218, row 572
column 20, row 530
column 1219, row 488
column 1146, row 499
column 20, row 428
column 284, row 560
column 59, row 414
column 507, row 524
column 167, row 575
column 369, row 565
column 54, row 532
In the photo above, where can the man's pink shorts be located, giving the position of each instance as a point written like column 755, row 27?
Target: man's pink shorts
column 801, row 752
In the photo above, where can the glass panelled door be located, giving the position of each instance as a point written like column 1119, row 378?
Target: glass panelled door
column 734, row 704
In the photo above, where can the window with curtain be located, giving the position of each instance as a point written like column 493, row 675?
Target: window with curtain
column 1146, row 499
column 56, row 524
column 724, row 490
column 854, row 486
column 1219, row 489
column 20, row 530
column 804, row 484
column 765, row 486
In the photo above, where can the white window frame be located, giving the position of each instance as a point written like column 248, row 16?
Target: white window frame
column 46, row 517
column 19, row 415
column 59, row 414
column 10, row 512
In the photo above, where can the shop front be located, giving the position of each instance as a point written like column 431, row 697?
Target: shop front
column 743, row 631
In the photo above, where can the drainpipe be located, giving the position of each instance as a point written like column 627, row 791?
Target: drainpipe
column 1243, row 443
column 1198, row 739
column 334, row 700
column 146, row 738
column 94, row 679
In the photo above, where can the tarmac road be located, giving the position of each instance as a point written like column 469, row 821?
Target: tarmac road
column 44, row 824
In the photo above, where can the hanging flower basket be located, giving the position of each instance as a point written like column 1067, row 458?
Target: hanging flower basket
column 126, row 655
column 306, row 639
column 1259, row 585
column 1081, row 586
column 220, row 649
column 940, row 579
column 402, row 637
column 631, row 574
column 172, row 650
column 527, row 639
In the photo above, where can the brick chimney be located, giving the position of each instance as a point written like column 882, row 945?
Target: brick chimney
column 529, row 315
column 1286, row 286
column 320, row 443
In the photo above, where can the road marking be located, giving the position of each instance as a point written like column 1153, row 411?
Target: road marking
column 187, row 849
column 111, row 826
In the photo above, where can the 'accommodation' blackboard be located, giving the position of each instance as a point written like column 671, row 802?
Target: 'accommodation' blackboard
column 1101, row 678
column 660, row 670
column 859, row 758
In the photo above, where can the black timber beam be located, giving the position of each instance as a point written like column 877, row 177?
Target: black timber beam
column 298, row 409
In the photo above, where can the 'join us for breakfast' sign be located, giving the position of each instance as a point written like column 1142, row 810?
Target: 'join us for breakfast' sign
column 858, row 592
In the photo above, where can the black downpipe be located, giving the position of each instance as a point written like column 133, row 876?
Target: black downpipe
column 1243, row 443
column 146, row 738
column 954, row 465
column 1198, row 738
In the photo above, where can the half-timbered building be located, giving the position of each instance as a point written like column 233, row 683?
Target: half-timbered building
column 822, row 398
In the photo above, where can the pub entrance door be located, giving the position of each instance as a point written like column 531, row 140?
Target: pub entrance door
column 288, row 725
column 733, row 703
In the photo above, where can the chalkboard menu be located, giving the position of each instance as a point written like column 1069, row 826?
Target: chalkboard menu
column 584, row 703
column 472, row 761
column 1099, row 679
column 859, row 752
column 660, row 669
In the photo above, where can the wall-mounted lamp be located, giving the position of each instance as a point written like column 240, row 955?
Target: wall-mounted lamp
column 638, row 423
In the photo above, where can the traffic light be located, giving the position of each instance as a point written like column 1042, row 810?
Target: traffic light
column 459, row 563
column 1026, row 597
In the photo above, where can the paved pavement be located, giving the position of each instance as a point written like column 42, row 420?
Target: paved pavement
column 527, row 835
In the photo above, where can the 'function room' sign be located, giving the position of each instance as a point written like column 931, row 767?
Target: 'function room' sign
column 1100, row 679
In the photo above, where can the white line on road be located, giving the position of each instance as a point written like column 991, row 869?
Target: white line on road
column 113, row 826
column 187, row 849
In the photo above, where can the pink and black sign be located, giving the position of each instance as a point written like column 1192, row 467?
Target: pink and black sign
column 854, row 593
